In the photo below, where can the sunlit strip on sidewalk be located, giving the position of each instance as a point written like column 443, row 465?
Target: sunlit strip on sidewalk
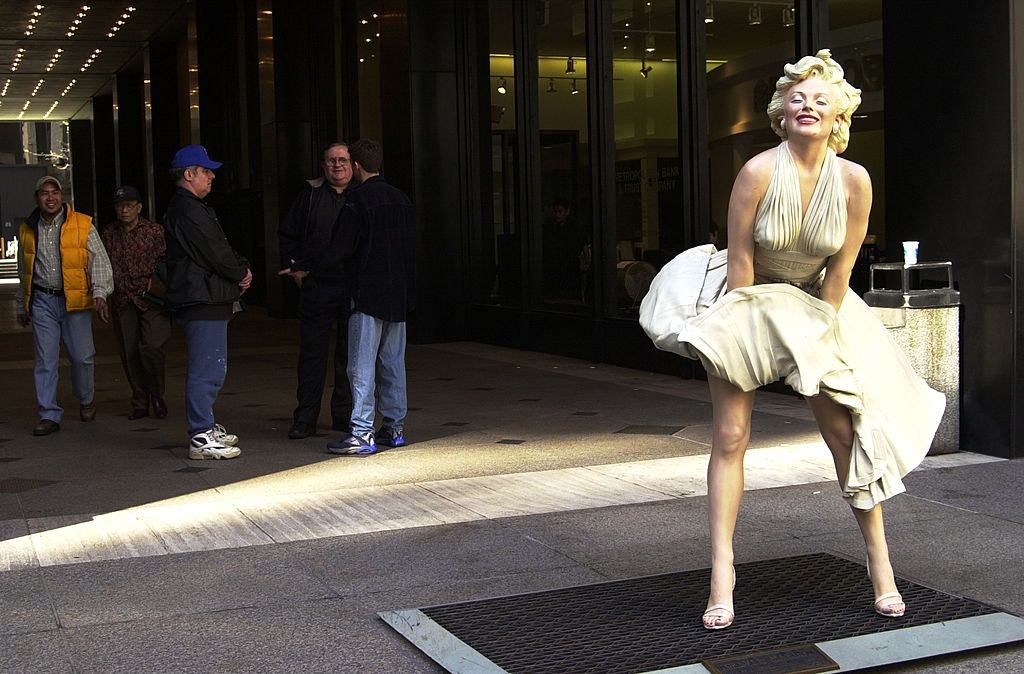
column 248, row 520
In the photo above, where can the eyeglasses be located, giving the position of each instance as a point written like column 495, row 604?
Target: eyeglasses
column 337, row 161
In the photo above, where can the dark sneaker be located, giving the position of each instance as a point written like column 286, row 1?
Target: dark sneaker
column 391, row 437
column 354, row 445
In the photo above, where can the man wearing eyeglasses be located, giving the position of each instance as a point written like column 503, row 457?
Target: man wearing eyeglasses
column 305, row 238
column 205, row 279
column 64, row 272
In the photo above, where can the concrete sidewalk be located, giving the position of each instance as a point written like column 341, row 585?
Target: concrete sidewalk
column 526, row 472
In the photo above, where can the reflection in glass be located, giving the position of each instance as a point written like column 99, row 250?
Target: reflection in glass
column 565, row 225
column 501, row 249
column 648, row 192
column 745, row 54
column 855, row 38
column 368, row 33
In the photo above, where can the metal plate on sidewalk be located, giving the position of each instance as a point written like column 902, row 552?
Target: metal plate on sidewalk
column 653, row 624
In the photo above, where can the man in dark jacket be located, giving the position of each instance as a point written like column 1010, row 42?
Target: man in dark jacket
column 205, row 278
column 378, row 247
column 304, row 239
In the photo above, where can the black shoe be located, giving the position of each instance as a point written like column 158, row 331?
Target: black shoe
column 297, row 432
column 159, row 406
column 45, row 427
column 87, row 412
column 138, row 414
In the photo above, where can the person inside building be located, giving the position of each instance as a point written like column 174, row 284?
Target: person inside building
column 64, row 272
column 205, row 280
column 304, row 239
column 136, row 249
column 566, row 254
column 777, row 304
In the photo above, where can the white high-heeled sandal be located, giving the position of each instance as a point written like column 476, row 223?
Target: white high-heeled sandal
column 884, row 609
column 726, row 608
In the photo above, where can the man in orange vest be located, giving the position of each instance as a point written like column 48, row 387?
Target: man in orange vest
column 64, row 272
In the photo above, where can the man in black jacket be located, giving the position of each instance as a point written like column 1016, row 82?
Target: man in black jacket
column 378, row 247
column 205, row 278
column 304, row 239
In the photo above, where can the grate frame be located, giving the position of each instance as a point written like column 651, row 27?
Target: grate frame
column 653, row 622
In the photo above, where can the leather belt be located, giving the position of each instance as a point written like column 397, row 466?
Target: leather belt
column 47, row 291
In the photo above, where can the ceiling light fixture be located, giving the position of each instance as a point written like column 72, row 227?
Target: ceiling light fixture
column 709, row 12
column 754, row 16
column 788, row 17
column 502, row 89
column 570, row 66
column 574, row 89
column 645, row 70
column 650, row 43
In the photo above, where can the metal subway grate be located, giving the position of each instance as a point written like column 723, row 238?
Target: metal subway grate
column 651, row 623
column 17, row 485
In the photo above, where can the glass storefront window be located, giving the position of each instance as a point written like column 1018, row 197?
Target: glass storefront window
column 855, row 38
column 747, row 45
column 565, row 227
column 501, row 250
column 648, row 190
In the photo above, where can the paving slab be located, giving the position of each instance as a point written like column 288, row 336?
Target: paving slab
column 36, row 653
column 25, row 604
column 423, row 556
column 330, row 635
column 126, row 590
column 990, row 488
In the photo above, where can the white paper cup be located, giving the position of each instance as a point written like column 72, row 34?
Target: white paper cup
column 910, row 252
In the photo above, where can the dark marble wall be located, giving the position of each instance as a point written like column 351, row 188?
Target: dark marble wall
column 949, row 184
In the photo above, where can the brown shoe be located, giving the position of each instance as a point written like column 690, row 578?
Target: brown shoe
column 45, row 427
column 87, row 412
column 159, row 406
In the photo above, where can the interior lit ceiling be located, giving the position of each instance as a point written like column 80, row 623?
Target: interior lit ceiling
column 56, row 54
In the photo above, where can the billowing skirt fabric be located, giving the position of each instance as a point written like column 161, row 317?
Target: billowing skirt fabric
column 756, row 335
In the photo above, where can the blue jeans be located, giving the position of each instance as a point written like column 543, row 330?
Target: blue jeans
column 376, row 351
column 207, row 343
column 51, row 323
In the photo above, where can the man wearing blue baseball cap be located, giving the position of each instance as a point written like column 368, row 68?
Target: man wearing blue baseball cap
column 205, row 278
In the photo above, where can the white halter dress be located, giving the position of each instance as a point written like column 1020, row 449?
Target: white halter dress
column 779, row 329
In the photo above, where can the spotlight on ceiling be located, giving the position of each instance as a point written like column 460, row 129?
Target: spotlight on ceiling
column 754, row 16
column 788, row 17
column 502, row 89
column 709, row 12
column 570, row 66
column 645, row 70
column 574, row 89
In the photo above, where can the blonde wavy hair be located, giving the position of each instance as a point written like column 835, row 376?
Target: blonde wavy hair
column 823, row 67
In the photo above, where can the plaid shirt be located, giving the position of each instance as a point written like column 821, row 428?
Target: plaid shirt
column 134, row 255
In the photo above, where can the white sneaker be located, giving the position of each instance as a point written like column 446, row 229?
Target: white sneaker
column 206, row 445
column 223, row 436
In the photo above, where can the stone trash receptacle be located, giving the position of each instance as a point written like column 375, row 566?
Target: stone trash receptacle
column 925, row 323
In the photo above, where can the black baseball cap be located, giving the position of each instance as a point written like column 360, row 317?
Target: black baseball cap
column 126, row 193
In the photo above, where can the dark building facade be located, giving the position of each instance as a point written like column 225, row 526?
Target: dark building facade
column 559, row 152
